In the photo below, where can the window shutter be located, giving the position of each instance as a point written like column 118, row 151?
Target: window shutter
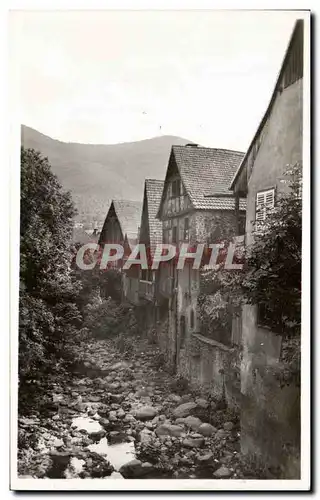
column 260, row 212
column 269, row 199
column 264, row 202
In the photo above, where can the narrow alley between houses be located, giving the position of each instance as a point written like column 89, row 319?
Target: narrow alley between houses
column 121, row 415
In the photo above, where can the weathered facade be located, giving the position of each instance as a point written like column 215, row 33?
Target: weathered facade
column 270, row 414
column 121, row 227
column 196, row 207
column 150, row 235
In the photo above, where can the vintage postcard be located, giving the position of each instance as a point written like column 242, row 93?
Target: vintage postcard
column 160, row 335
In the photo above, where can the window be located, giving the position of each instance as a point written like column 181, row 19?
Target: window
column 264, row 203
column 144, row 274
column 186, row 229
column 174, row 234
column 182, row 331
column 192, row 318
column 176, row 188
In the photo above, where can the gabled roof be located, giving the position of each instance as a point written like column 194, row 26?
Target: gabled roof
column 296, row 38
column 80, row 236
column 129, row 216
column 153, row 193
column 206, row 174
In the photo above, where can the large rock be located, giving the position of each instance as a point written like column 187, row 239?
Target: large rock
column 98, row 434
column 175, row 398
column 228, row 426
column 135, row 469
column 222, row 473
column 121, row 413
column 143, row 393
column 193, row 442
column 205, row 459
column 221, row 434
column 206, row 429
column 169, row 430
column 129, row 418
column 145, row 437
column 114, row 386
column 112, row 416
column 185, row 409
column 193, row 422
column 146, row 413
column 116, row 398
column 122, row 365
column 202, row 403
column 58, row 443
column 180, row 420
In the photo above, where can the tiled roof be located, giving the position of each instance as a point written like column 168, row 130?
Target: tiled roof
column 153, row 191
column 206, row 174
column 129, row 216
column 80, row 236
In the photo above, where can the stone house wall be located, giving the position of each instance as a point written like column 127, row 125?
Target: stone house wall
column 268, row 411
column 183, row 327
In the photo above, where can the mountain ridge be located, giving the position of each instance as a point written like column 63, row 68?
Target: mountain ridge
column 96, row 173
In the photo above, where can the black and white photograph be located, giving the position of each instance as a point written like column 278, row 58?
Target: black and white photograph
column 160, row 335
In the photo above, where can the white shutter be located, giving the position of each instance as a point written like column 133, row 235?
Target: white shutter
column 264, row 202
column 269, row 199
column 260, row 210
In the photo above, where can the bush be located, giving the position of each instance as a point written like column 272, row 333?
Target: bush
column 107, row 319
column 271, row 276
column 97, row 282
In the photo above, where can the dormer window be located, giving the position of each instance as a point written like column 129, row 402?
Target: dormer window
column 176, row 191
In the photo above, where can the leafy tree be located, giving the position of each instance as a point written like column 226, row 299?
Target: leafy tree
column 49, row 319
column 273, row 270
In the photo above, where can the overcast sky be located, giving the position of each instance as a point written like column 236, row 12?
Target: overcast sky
column 109, row 77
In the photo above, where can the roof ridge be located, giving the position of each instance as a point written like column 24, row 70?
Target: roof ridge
column 126, row 200
column 154, row 180
column 196, row 148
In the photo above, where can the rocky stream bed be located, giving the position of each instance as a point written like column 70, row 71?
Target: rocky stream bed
column 121, row 416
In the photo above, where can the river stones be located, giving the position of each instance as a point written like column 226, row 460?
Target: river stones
column 206, row 429
column 146, row 413
column 222, row 473
column 185, row 409
column 169, row 430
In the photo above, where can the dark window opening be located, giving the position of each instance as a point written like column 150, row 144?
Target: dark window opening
column 186, row 229
column 144, row 274
column 192, row 318
column 174, row 234
column 182, row 331
column 176, row 188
